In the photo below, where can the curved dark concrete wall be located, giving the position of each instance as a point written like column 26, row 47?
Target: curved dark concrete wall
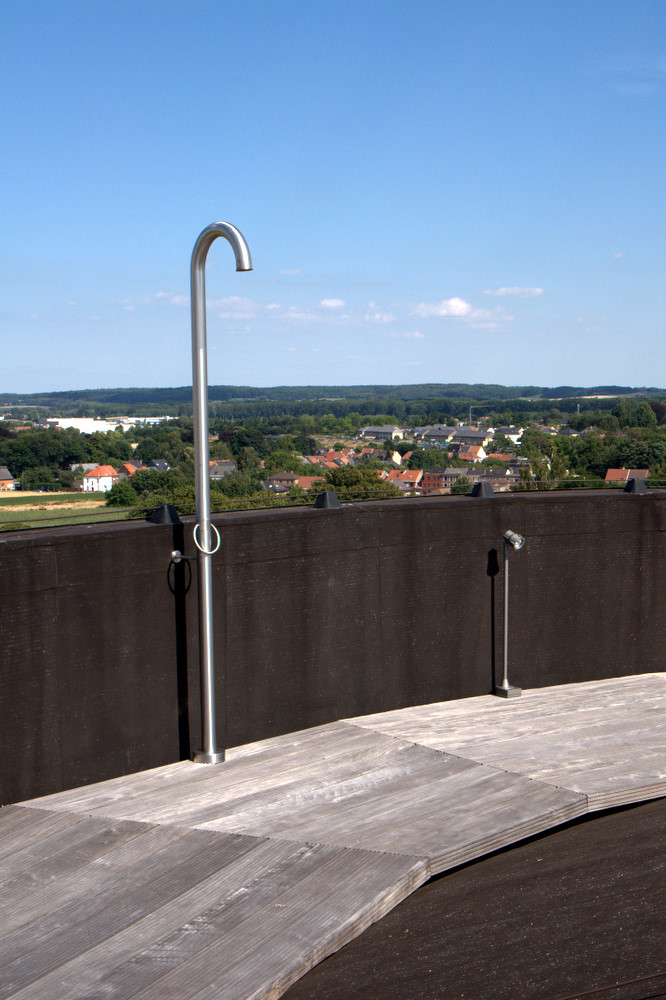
column 319, row 615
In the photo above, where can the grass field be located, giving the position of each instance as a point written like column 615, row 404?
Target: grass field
column 48, row 510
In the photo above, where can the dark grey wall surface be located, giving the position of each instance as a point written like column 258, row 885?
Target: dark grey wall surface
column 319, row 615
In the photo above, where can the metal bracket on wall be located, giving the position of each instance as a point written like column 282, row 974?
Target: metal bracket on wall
column 177, row 556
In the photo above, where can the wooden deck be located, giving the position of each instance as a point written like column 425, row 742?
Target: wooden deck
column 192, row 881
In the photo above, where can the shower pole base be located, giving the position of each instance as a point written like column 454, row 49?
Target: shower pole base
column 201, row 757
column 508, row 692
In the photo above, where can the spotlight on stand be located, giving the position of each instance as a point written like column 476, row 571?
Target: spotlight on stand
column 515, row 540
column 505, row 690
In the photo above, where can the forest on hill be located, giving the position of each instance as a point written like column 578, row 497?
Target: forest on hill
column 245, row 402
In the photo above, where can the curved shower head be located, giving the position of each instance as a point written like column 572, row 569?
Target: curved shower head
column 234, row 236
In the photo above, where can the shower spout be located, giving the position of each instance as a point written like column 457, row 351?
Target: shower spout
column 209, row 754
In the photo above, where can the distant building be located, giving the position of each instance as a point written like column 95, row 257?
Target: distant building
column 384, row 433
column 7, row 481
column 475, row 453
column 100, row 479
column 406, row 480
column 464, row 437
column 219, row 470
column 282, row 482
column 83, row 466
column 453, row 474
column 437, row 434
column 511, row 431
column 624, row 475
column 127, row 470
column 433, row 479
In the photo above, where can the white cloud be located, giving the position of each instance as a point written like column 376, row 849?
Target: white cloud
column 301, row 314
column 618, row 256
column 637, row 89
column 332, row 304
column 173, row 300
column 633, row 75
column 447, row 307
column 520, row 293
column 290, row 270
column 414, row 335
column 234, row 307
column 376, row 316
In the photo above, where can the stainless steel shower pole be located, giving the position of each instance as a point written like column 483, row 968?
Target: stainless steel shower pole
column 209, row 754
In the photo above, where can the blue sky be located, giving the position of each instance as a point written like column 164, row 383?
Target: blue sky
column 456, row 190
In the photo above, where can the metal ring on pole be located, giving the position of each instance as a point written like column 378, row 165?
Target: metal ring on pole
column 200, row 547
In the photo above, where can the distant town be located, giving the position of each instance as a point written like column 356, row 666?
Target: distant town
column 135, row 462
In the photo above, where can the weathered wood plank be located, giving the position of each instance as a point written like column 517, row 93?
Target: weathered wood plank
column 209, row 882
column 316, row 915
column 158, row 794
column 31, row 896
column 144, row 949
column 372, row 793
column 20, row 828
column 29, row 953
column 574, row 736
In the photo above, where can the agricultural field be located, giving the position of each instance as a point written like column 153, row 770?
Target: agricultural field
column 47, row 510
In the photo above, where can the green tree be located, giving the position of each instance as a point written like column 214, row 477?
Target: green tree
column 38, row 477
column 356, row 484
column 502, row 443
column 304, row 445
column 427, row 458
column 645, row 415
column 122, row 495
column 462, row 484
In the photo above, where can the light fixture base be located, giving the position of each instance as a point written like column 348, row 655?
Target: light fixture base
column 508, row 692
column 201, row 757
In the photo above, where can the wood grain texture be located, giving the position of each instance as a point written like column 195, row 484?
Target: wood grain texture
column 195, row 909
column 193, row 881
column 345, row 786
column 603, row 739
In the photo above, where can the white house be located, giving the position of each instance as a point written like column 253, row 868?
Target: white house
column 100, row 479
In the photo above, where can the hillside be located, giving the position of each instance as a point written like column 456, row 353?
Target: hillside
column 177, row 400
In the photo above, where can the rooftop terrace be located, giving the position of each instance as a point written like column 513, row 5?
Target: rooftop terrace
column 356, row 651
column 233, row 881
